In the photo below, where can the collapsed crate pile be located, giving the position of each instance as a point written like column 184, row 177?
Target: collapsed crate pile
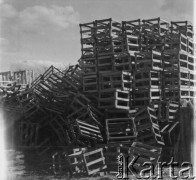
column 121, row 97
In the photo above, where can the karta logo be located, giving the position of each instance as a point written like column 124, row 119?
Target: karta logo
column 146, row 170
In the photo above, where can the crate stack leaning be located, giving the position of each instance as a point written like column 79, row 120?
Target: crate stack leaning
column 147, row 76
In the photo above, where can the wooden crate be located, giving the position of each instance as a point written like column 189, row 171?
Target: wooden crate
column 88, row 51
column 120, row 130
column 95, row 164
column 176, row 60
column 156, row 26
column 88, row 130
column 175, row 79
column 107, row 34
column 152, row 43
column 146, row 153
column 132, row 27
column 88, row 163
column 52, row 82
column 170, row 133
column 144, row 97
column 50, row 71
column 190, row 46
column 52, row 100
column 167, row 110
column 109, row 46
column 176, row 42
column 74, row 74
column 115, row 98
column 175, row 94
column 192, row 93
column 124, row 62
column 68, row 82
column 87, row 32
column 147, row 127
column 191, row 63
column 105, row 63
column 76, row 164
column 121, row 80
column 55, row 81
column 148, row 61
column 107, row 28
column 90, row 69
column 131, row 43
column 184, row 27
column 147, row 79
column 90, row 83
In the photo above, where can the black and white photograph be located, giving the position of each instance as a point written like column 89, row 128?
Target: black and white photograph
column 97, row 89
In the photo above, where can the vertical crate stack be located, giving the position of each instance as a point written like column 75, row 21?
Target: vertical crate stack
column 147, row 127
column 88, row 61
column 115, row 80
column 132, row 40
column 132, row 43
column 153, row 33
column 148, row 63
column 108, row 43
column 179, row 62
column 113, row 74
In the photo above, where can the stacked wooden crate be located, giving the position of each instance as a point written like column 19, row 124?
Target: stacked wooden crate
column 110, row 58
column 167, row 111
column 147, row 78
column 132, row 39
column 148, row 63
column 114, row 86
column 144, row 153
column 153, row 33
column 106, row 64
column 179, row 62
column 108, row 43
column 121, row 130
column 83, row 163
column 147, row 127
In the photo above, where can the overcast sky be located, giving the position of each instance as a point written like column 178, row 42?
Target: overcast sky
column 47, row 31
